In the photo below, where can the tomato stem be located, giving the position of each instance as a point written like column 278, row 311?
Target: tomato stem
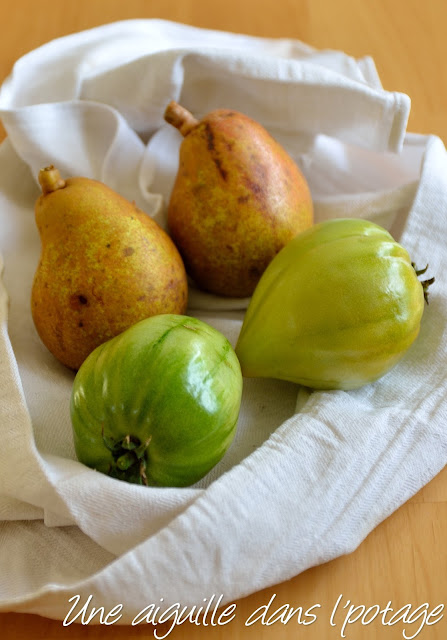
column 125, row 461
column 425, row 283
column 129, row 458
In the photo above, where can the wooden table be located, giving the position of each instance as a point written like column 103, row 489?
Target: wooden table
column 405, row 558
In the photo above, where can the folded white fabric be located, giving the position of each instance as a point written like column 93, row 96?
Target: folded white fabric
column 309, row 475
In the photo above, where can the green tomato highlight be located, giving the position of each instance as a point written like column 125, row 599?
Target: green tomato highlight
column 336, row 308
column 159, row 403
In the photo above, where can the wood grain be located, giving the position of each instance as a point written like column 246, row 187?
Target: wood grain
column 404, row 560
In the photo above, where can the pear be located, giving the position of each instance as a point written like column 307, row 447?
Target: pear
column 237, row 200
column 104, row 266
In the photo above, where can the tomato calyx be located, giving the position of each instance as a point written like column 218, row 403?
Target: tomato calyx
column 129, row 458
column 425, row 283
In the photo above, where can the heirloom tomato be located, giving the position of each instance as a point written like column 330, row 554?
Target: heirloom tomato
column 335, row 309
column 158, row 404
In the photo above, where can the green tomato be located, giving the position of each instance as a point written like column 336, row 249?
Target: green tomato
column 335, row 309
column 159, row 403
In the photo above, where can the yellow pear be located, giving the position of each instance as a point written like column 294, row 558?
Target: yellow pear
column 238, row 198
column 104, row 266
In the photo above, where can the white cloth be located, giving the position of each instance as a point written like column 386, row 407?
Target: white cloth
column 309, row 475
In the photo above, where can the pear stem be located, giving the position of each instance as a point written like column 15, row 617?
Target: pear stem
column 180, row 118
column 50, row 179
